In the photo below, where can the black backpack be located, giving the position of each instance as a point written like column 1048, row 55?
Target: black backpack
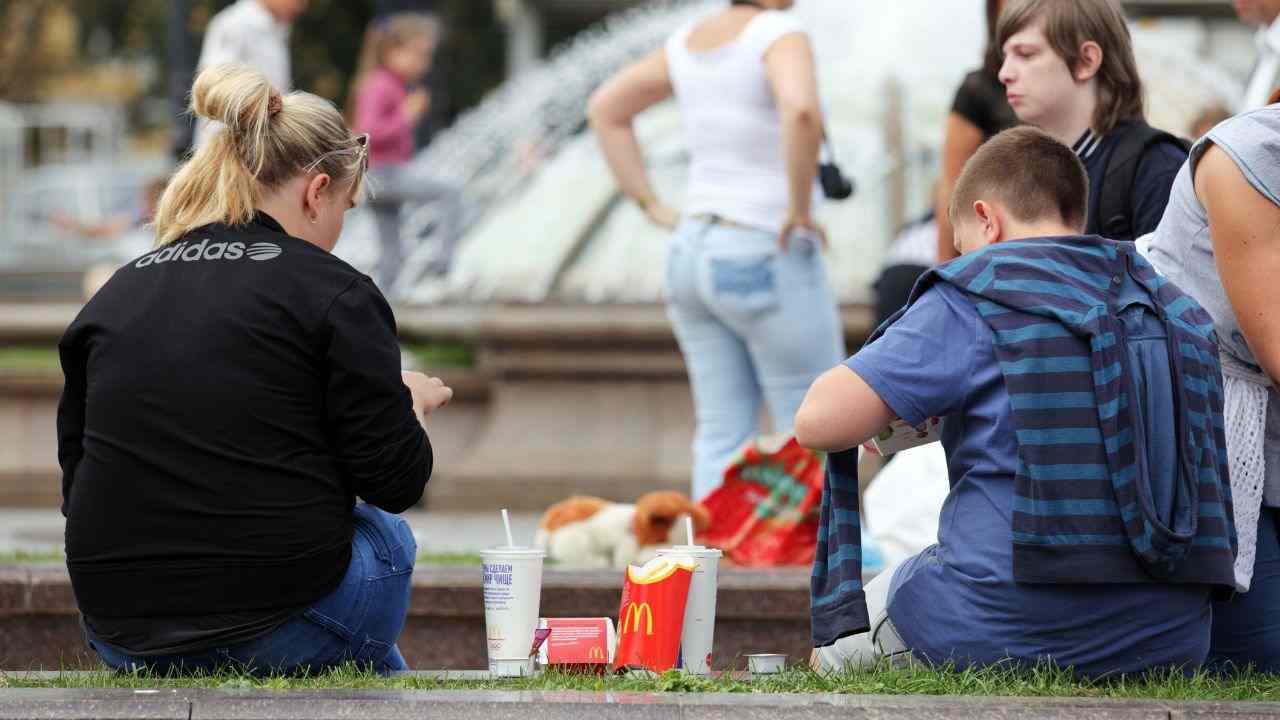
column 1114, row 206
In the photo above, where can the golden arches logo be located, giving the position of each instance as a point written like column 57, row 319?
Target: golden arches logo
column 595, row 653
column 632, row 615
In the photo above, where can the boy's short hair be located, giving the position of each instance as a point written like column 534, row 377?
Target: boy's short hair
column 1031, row 175
column 1068, row 24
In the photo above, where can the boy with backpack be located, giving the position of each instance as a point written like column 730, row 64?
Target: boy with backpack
column 1069, row 69
column 1089, row 518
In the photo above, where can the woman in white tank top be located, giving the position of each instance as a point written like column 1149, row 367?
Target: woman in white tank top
column 748, row 292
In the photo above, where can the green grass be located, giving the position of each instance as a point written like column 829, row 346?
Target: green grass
column 30, row 359
column 449, row 559
column 441, row 356
column 22, row 557
column 1041, row 682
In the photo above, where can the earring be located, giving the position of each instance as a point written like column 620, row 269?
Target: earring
column 315, row 219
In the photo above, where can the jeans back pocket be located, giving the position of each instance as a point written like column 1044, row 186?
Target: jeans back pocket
column 746, row 284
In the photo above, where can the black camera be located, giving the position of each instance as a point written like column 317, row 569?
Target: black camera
column 835, row 184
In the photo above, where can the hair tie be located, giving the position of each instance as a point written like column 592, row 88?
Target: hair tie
column 274, row 105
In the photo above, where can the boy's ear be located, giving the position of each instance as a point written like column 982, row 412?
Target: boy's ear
column 1089, row 62
column 989, row 221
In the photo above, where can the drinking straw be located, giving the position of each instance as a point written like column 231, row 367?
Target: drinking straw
column 506, row 523
column 688, row 529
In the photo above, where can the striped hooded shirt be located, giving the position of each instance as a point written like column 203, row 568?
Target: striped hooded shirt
column 1088, row 507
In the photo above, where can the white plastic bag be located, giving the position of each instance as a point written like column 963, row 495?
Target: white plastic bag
column 903, row 502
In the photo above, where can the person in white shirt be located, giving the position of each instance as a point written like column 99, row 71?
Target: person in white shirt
column 749, row 297
column 253, row 32
column 1266, row 73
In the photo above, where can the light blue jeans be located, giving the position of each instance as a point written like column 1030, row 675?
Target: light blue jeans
column 755, row 324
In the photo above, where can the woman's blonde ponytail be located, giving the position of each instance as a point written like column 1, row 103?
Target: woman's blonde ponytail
column 266, row 140
column 241, row 99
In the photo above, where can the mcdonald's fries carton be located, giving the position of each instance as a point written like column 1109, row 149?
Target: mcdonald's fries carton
column 651, row 616
column 578, row 644
column 900, row 435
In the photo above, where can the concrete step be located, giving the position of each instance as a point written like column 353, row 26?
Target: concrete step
column 41, row 285
column 756, row 611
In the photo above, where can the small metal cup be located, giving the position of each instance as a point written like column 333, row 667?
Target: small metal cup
column 766, row 663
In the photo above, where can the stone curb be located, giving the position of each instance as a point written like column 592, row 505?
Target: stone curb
column 38, row 589
column 538, row 324
column 757, row 611
column 520, row 705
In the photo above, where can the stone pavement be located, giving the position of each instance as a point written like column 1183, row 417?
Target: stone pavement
column 522, row 705
column 438, row 532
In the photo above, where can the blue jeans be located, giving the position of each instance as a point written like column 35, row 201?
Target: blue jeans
column 1246, row 628
column 359, row 622
column 755, row 324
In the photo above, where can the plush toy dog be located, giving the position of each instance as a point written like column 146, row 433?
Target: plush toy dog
column 587, row 532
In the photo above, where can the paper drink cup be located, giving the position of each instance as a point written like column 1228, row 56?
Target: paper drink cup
column 512, row 595
column 699, row 631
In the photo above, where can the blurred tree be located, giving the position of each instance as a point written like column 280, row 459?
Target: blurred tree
column 24, row 61
column 473, row 59
column 387, row 7
column 129, row 28
column 166, row 33
column 326, row 45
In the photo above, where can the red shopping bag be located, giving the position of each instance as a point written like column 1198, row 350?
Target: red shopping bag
column 766, row 512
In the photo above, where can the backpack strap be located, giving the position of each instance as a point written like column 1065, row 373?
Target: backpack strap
column 1115, row 218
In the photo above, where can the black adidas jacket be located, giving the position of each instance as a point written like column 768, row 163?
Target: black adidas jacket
column 227, row 399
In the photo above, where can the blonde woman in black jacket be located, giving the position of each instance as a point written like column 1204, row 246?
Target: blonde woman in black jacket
column 229, row 396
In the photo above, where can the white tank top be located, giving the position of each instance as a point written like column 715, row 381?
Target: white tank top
column 732, row 124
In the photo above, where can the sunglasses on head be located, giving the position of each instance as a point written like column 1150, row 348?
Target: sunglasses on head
column 361, row 147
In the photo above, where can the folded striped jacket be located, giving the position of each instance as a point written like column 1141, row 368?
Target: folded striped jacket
column 1088, row 505
column 837, row 604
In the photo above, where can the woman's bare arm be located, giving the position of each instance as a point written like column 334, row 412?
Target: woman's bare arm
column 1245, row 227
column 612, row 108
column 959, row 143
column 790, row 67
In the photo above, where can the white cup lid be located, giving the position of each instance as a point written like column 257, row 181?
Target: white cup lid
column 519, row 551
column 690, row 550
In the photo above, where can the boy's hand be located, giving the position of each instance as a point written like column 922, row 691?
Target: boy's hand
column 429, row 393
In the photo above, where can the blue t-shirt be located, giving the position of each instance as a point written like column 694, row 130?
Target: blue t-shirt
column 957, row 600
